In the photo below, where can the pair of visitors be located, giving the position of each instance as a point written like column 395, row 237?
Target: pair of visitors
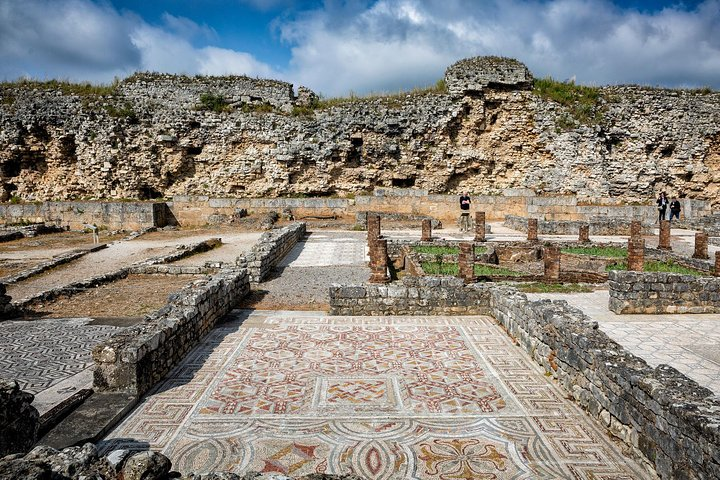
column 464, row 212
column 662, row 204
column 674, row 209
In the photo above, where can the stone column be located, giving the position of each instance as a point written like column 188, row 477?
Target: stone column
column 701, row 246
column 664, row 242
column 635, row 228
column 584, row 234
column 466, row 262
column 716, row 272
column 379, row 261
column 426, row 235
column 532, row 232
column 551, row 260
column 636, row 254
column 479, row 226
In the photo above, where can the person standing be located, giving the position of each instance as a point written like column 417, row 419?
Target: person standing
column 662, row 203
column 465, row 212
column 675, row 209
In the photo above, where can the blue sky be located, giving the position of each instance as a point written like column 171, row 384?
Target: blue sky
column 339, row 46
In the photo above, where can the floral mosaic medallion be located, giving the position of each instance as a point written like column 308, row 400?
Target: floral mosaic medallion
column 383, row 398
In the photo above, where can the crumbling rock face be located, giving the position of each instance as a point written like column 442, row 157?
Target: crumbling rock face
column 149, row 139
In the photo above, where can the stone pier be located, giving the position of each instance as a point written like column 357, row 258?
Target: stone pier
column 584, row 234
column 551, row 261
column 635, row 228
column 701, row 246
column 532, row 230
column 379, row 261
column 636, row 254
column 426, row 235
column 664, row 242
column 716, row 271
column 373, row 228
column 479, row 226
column 466, row 262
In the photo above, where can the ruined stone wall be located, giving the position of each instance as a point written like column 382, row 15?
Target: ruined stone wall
column 136, row 144
column 269, row 250
column 659, row 412
column 138, row 357
column 653, row 292
column 429, row 295
column 598, row 225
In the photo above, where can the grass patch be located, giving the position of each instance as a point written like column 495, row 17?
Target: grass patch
column 435, row 268
column 444, row 250
column 582, row 102
column 392, row 100
column 85, row 89
column 537, row 287
column 663, row 267
column 610, row 252
column 212, row 102
column 487, row 270
column 125, row 111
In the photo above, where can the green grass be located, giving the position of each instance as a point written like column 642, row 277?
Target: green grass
column 392, row 100
column 85, row 89
column 582, row 102
column 213, row 103
column 664, row 267
column 444, row 250
column 435, row 268
column 611, row 252
column 554, row 288
column 487, row 270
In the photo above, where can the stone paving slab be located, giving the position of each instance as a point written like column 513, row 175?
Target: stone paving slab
column 322, row 249
column 382, row 397
column 688, row 342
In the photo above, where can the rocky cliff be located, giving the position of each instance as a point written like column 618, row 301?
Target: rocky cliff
column 488, row 129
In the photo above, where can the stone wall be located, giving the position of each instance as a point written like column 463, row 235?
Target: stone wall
column 111, row 215
column 666, row 417
column 653, row 292
column 269, row 250
column 429, row 295
column 598, row 225
column 138, row 357
column 488, row 134
column 19, row 420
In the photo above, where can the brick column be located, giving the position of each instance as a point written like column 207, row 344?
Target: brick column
column 379, row 261
column 701, row 246
column 636, row 254
column 635, row 228
column 584, row 234
column 532, row 232
column 373, row 227
column 426, row 235
column 716, row 272
column 551, row 260
column 479, row 226
column 466, row 262
column 664, row 242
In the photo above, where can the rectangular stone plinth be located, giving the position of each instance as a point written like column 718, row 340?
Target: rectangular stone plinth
column 584, row 234
column 426, row 235
column 636, row 254
column 701, row 246
column 479, row 226
column 532, row 230
column 635, row 228
column 379, row 261
column 373, row 227
column 551, row 261
column 466, row 262
column 716, row 271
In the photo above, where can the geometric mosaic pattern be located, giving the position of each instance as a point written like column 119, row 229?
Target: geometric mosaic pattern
column 381, row 397
column 328, row 249
column 41, row 353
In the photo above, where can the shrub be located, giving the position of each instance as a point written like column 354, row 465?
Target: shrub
column 213, row 103
column 583, row 102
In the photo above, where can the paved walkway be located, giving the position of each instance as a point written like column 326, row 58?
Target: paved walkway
column 689, row 343
column 382, row 397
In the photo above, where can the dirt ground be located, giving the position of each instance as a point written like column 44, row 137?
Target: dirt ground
column 134, row 296
column 53, row 241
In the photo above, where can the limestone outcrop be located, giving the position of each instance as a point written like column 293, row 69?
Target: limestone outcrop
column 157, row 136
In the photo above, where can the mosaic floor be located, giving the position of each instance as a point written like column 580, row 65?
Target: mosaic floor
column 329, row 249
column 41, row 353
column 381, row 397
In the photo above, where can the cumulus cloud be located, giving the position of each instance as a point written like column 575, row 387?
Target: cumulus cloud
column 410, row 42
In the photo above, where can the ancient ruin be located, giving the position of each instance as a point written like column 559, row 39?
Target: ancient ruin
column 222, row 277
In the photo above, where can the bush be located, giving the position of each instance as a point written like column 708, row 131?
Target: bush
column 583, row 103
column 213, row 103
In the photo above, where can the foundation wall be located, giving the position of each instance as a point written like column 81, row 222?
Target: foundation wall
column 270, row 249
column 652, row 292
column 598, row 225
column 666, row 417
column 74, row 215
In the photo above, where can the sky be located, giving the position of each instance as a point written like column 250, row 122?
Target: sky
column 337, row 47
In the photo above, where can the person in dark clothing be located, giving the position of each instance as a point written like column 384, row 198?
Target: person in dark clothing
column 464, row 212
column 662, row 203
column 675, row 209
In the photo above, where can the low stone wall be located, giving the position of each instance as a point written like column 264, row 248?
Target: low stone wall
column 598, row 225
column 429, row 295
column 361, row 218
column 19, row 420
column 652, row 292
column 56, row 261
column 666, row 417
column 74, row 215
column 137, row 358
column 270, row 249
